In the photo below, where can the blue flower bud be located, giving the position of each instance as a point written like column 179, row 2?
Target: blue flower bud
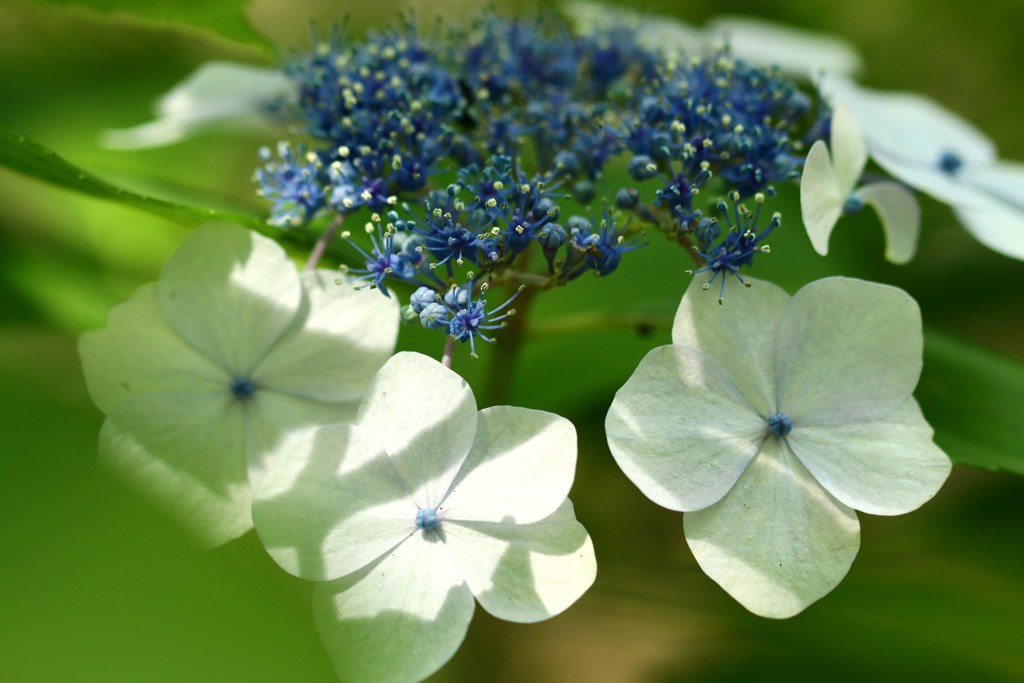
column 627, row 198
column 583, row 191
column 457, row 297
column 434, row 317
column 551, row 236
column 421, row 298
column 642, row 167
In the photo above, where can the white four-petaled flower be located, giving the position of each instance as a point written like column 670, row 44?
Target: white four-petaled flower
column 828, row 189
column 203, row 374
column 935, row 151
column 770, row 420
column 417, row 507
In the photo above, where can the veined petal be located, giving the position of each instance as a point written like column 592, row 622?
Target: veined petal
column 332, row 504
column 138, row 353
column 524, row 572
column 668, row 34
column 821, row 200
column 911, row 127
column 520, row 467
column 739, row 336
column 849, row 153
column 656, row 31
column 887, row 466
column 272, row 417
column 216, row 92
column 998, row 226
column 230, row 293
column 1003, row 180
column 797, row 52
column 338, row 341
column 187, row 452
column 399, row 619
column 424, row 417
column 900, row 216
column 848, row 350
column 909, row 135
column 680, row 429
column 778, row 541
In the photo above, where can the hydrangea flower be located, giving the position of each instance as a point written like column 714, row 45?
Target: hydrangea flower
column 205, row 372
column 233, row 96
column 770, row 421
column 417, row 507
column 935, row 151
column 828, row 190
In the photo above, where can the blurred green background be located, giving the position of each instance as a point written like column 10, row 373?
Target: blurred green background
column 97, row 586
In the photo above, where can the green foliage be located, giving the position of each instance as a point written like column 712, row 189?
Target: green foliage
column 25, row 155
column 225, row 19
column 974, row 399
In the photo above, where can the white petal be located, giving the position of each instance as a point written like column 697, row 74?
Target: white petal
column 520, row 467
column 908, row 134
column 273, row 417
column 999, row 227
column 230, row 293
column 848, row 350
column 524, row 572
column 999, row 224
column 739, row 335
column 158, row 133
column 138, row 353
column 338, row 341
column 849, row 153
column 668, row 35
column 680, row 430
column 900, row 215
column 778, row 541
column 1003, row 180
column 186, row 452
column 653, row 31
column 798, row 52
column 424, row 417
column 912, row 127
column 399, row 620
column 216, row 92
column 321, row 518
column 821, row 199
column 888, row 466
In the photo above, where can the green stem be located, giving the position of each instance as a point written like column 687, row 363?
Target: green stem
column 583, row 322
column 506, row 351
column 321, row 244
column 449, row 351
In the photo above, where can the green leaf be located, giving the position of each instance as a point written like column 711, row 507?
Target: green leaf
column 225, row 18
column 25, row 155
column 975, row 400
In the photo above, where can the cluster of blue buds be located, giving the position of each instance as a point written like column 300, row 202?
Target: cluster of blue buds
column 468, row 147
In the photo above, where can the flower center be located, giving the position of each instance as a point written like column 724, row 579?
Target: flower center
column 950, row 163
column 853, row 204
column 242, row 388
column 426, row 519
column 779, row 424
